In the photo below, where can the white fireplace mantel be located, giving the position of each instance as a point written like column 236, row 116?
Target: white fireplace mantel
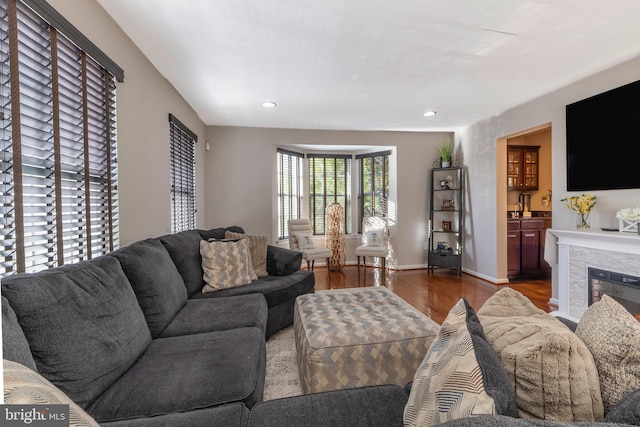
column 577, row 250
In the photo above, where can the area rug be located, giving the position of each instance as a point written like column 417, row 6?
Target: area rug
column 281, row 379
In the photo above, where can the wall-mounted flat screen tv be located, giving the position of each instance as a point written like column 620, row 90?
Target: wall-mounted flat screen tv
column 603, row 140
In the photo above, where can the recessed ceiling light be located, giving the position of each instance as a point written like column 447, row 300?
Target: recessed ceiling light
column 429, row 114
column 268, row 104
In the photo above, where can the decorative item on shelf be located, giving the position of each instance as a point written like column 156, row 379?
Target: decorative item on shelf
column 446, row 225
column 444, row 185
column 443, row 247
column 448, row 205
column 629, row 219
column 335, row 235
column 446, row 151
column 582, row 204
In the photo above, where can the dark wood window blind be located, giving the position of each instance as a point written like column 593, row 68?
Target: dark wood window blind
column 289, row 189
column 182, row 176
column 58, row 175
column 329, row 181
column 373, row 185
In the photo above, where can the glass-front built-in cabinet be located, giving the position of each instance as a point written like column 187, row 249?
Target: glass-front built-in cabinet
column 446, row 218
column 522, row 168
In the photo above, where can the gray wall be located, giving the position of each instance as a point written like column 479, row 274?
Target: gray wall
column 479, row 143
column 144, row 101
column 241, row 180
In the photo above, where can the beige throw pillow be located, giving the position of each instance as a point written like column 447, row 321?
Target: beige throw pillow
column 23, row 386
column 551, row 369
column 612, row 335
column 226, row 264
column 257, row 247
column 305, row 241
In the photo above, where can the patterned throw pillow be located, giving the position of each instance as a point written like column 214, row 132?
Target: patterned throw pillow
column 551, row 369
column 258, row 249
column 305, row 241
column 226, row 264
column 22, row 386
column 461, row 375
column 612, row 335
column 374, row 237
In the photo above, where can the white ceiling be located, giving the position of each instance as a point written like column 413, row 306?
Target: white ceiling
column 374, row 64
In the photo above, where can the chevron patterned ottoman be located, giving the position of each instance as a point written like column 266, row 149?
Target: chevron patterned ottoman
column 358, row 337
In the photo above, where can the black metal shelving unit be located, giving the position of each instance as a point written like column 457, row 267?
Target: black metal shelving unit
column 446, row 220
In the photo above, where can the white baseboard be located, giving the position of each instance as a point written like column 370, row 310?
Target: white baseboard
column 485, row 277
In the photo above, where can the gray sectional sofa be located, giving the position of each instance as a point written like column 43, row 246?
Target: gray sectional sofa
column 130, row 338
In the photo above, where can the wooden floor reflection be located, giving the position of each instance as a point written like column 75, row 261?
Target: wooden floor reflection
column 433, row 292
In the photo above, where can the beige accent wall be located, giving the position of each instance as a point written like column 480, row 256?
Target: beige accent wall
column 241, row 180
column 144, row 101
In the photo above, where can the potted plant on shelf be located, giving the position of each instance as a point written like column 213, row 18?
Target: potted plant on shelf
column 446, row 150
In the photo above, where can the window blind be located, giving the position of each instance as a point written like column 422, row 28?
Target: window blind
column 373, row 185
column 182, row 176
column 329, row 181
column 58, row 179
column 289, row 189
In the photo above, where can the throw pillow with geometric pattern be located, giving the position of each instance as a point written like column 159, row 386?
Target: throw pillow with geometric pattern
column 23, row 386
column 226, row 264
column 461, row 376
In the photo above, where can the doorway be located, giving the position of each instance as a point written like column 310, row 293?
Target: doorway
column 523, row 206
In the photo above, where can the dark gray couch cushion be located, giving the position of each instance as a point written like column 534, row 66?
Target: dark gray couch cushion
column 218, row 233
column 83, row 323
column 189, row 372
column 15, row 346
column 184, row 249
column 366, row 407
column 155, row 280
column 233, row 415
column 281, row 261
column 219, row 314
column 276, row 289
column 627, row 410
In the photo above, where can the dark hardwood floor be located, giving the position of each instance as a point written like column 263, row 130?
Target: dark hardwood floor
column 433, row 292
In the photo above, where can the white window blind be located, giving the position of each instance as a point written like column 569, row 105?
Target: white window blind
column 58, row 180
column 289, row 189
column 182, row 176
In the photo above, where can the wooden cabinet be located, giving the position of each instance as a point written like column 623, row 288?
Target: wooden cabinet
column 525, row 248
column 522, row 167
column 513, row 248
column 446, row 218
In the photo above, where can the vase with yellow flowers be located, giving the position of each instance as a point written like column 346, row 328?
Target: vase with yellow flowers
column 582, row 204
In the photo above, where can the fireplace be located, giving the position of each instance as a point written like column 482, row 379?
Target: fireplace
column 623, row 288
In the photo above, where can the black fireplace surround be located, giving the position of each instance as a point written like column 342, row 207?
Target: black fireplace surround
column 623, row 288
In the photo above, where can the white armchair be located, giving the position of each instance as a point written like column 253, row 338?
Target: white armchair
column 374, row 242
column 301, row 239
